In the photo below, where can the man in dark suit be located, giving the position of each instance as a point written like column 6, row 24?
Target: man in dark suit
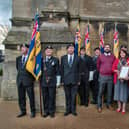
column 70, row 79
column 94, row 84
column 50, row 71
column 25, row 83
column 84, row 68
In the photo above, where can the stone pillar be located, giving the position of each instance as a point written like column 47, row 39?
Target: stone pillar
column 8, row 86
column 22, row 8
column 73, row 7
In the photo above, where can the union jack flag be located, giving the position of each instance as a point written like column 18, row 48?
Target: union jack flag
column 87, row 41
column 116, row 42
column 101, row 43
column 77, row 40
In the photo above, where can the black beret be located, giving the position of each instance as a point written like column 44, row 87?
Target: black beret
column 97, row 48
column 82, row 48
column 123, row 46
column 70, row 45
column 48, row 47
column 24, row 45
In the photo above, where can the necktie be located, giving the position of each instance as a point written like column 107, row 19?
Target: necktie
column 46, row 59
column 70, row 61
column 23, row 61
column 82, row 57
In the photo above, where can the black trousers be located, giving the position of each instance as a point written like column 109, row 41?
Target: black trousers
column 49, row 99
column 70, row 97
column 84, row 91
column 94, row 86
column 22, row 97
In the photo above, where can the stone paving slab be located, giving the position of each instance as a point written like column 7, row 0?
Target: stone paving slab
column 88, row 118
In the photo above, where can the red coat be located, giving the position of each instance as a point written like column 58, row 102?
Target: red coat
column 114, row 67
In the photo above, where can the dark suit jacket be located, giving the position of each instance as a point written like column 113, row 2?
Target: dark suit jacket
column 85, row 66
column 94, row 59
column 23, row 76
column 96, row 72
column 69, row 75
column 52, row 70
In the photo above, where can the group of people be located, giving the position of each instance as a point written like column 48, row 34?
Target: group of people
column 75, row 73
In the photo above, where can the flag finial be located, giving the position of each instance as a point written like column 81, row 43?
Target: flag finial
column 88, row 22
column 37, row 10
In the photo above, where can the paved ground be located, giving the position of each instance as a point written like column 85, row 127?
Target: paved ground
column 88, row 118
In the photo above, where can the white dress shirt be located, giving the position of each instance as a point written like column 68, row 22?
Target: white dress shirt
column 70, row 56
column 107, row 54
column 23, row 58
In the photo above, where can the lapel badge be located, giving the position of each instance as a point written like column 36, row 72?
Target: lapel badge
column 53, row 63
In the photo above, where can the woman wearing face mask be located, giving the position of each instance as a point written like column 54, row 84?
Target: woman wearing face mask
column 121, row 85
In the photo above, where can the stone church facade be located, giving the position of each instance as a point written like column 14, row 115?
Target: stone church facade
column 58, row 21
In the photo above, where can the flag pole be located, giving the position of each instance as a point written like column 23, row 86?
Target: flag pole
column 37, row 10
column 40, row 90
column 88, row 22
column 40, row 93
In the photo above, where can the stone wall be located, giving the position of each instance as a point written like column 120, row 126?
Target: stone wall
column 104, row 8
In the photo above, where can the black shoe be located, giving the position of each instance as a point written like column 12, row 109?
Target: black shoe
column 21, row 114
column 82, row 104
column 86, row 105
column 32, row 115
column 45, row 114
column 93, row 102
column 52, row 115
column 66, row 113
column 74, row 113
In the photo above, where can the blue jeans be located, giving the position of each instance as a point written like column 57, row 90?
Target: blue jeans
column 102, row 85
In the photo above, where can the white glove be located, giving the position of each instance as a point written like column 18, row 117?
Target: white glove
column 58, row 80
column 91, row 75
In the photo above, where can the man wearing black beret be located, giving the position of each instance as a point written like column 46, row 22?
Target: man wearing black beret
column 50, row 71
